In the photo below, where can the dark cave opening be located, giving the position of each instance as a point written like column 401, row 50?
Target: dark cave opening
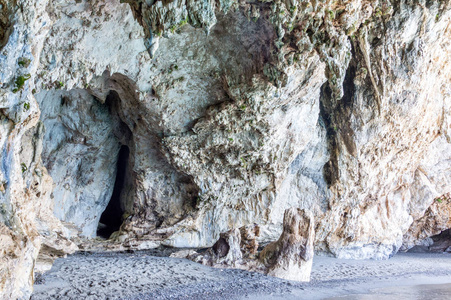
column 111, row 218
column 440, row 243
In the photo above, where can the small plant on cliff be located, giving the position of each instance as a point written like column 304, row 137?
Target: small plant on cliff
column 24, row 167
column 243, row 161
column 172, row 68
column 20, row 82
column 378, row 12
column 26, row 106
column 331, row 14
column 24, row 62
column 175, row 27
column 59, row 84
column 439, row 200
column 183, row 22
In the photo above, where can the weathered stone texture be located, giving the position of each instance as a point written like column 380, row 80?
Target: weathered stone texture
column 291, row 256
column 341, row 108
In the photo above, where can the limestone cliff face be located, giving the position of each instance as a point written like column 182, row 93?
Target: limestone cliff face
column 221, row 114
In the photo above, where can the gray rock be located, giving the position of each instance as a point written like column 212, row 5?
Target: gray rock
column 240, row 111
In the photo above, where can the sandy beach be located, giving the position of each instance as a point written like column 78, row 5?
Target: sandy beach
column 151, row 275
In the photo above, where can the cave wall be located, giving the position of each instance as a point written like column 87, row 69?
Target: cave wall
column 232, row 112
column 80, row 152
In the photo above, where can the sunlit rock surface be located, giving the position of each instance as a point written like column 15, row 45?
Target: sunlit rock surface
column 232, row 112
column 290, row 257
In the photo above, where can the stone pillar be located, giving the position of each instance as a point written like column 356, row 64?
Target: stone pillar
column 291, row 256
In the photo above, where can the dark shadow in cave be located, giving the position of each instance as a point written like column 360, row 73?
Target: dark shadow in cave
column 441, row 243
column 336, row 114
column 111, row 218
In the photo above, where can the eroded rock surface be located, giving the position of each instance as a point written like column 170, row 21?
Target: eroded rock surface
column 236, row 248
column 290, row 257
column 436, row 219
column 232, row 112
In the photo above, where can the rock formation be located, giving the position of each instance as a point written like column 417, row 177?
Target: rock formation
column 436, row 219
column 290, row 257
column 228, row 112
column 236, row 248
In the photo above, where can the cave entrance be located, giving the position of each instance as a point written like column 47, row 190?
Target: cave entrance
column 111, row 218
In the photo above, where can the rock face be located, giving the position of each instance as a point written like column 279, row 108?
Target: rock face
column 230, row 113
column 436, row 219
column 80, row 154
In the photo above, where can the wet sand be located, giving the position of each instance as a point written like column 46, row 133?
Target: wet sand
column 142, row 275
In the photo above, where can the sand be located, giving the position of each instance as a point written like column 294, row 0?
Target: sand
column 148, row 275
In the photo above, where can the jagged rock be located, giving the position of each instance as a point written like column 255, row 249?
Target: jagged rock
column 227, row 250
column 291, row 256
column 436, row 219
column 249, row 243
column 341, row 108
column 235, row 248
